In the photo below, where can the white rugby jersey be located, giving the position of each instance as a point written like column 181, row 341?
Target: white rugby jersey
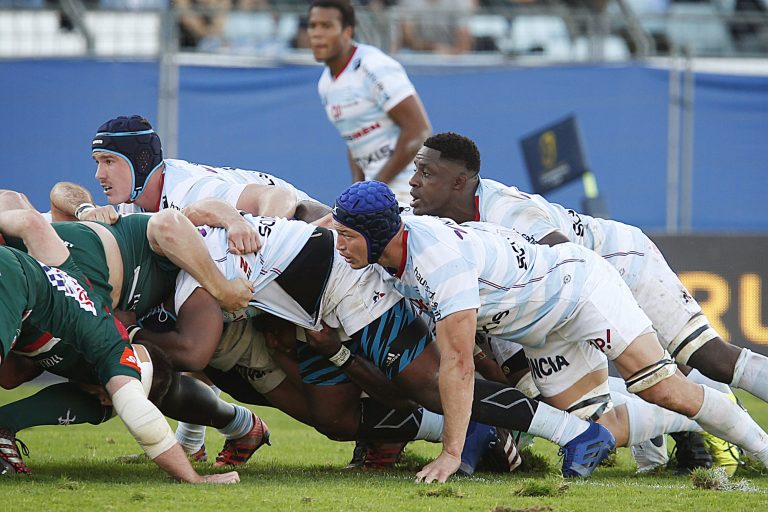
column 185, row 182
column 357, row 101
column 535, row 217
column 521, row 291
column 352, row 299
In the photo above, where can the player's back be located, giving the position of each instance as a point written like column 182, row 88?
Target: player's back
column 535, row 217
column 522, row 287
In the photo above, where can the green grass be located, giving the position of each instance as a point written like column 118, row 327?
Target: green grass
column 77, row 468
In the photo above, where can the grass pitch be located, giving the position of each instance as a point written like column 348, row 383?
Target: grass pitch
column 80, row 468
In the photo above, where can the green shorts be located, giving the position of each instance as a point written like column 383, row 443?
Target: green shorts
column 85, row 339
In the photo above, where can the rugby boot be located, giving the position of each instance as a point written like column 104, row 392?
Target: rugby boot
column 237, row 451
column 584, row 452
column 690, row 452
column 724, row 454
column 502, row 454
column 358, row 455
column 650, row 454
column 479, row 437
column 383, row 455
column 199, row 456
column 10, row 455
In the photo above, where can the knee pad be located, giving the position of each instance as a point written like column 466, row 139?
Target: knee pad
column 695, row 334
column 593, row 404
column 651, row 375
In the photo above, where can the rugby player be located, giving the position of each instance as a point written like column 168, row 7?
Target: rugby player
column 561, row 302
column 368, row 97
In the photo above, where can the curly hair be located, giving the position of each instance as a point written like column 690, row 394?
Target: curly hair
column 459, row 148
column 343, row 6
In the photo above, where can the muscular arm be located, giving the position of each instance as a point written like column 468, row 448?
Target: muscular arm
column 410, row 116
column 197, row 334
column 366, row 376
column 456, row 340
column 172, row 235
column 311, row 211
column 65, row 198
column 150, row 429
column 268, row 201
column 41, row 240
column 16, row 370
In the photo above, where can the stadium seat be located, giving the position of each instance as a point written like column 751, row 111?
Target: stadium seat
column 35, row 34
column 699, row 26
column 120, row 33
column 249, row 29
column 610, row 48
column 540, row 35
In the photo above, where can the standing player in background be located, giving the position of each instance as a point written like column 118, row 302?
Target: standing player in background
column 368, row 98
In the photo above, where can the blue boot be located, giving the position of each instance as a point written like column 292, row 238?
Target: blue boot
column 479, row 437
column 585, row 451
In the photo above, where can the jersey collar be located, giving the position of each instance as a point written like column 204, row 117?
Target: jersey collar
column 352, row 54
column 404, row 259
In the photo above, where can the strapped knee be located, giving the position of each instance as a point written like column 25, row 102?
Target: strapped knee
column 593, row 404
column 651, row 375
column 691, row 338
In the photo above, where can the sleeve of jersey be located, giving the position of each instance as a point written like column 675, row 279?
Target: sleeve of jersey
column 210, row 189
column 530, row 220
column 448, row 282
column 387, row 82
column 185, row 285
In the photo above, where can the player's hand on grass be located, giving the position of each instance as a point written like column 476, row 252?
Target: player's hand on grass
column 222, row 478
column 325, row 342
column 439, row 470
column 236, row 296
column 243, row 238
column 105, row 214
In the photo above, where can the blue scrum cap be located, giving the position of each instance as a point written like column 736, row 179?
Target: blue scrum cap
column 133, row 139
column 370, row 208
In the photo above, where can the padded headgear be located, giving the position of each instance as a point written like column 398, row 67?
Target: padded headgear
column 133, row 139
column 370, row 208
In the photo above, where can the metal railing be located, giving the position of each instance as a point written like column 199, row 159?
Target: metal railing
column 516, row 34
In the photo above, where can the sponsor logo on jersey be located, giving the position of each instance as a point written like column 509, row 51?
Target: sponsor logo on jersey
column 546, row 366
column 377, row 296
column 363, row 131
column 391, row 358
column 245, row 268
column 382, row 153
column 128, row 358
column 67, row 419
column 62, row 282
column 602, row 344
column 50, row 362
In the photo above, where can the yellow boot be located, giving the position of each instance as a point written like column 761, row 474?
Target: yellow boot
column 724, row 454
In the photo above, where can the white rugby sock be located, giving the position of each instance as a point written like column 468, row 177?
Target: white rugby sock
column 722, row 417
column 192, row 437
column 751, row 373
column 240, row 425
column 431, row 428
column 556, row 425
column 647, row 421
column 697, row 377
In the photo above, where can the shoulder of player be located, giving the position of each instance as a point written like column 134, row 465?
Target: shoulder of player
column 370, row 58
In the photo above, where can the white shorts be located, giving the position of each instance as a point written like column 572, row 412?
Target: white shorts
column 606, row 320
column 656, row 288
column 244, row 348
